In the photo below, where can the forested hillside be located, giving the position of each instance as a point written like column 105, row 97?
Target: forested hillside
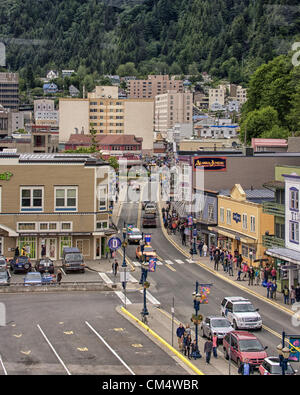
column 227, row 38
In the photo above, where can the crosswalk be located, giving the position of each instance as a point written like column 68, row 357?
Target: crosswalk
column 109, row 279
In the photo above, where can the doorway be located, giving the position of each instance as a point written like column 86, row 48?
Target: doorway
column 51, row 248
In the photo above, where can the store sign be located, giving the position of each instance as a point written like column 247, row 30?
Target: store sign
column 236, row 217
column 6, row 176
column 210, row 164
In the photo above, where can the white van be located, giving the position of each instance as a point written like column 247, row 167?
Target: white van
column 241, row 313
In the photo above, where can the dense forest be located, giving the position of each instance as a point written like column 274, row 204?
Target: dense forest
column 226, row 38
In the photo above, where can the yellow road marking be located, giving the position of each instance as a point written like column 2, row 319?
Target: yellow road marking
column 69, row 333
column 18, row 336
column 137, row 345
column 118, row 329
column 82, row 349
column 170, row 267
column 26, row 352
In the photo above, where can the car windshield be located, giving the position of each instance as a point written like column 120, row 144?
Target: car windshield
column 220, row 323
column 33, row 276
column 46, row 261
column 23, row 258
column 73, row 257
column 135, row 233
column 243, row 308
column 251, row 345
column 277, row 369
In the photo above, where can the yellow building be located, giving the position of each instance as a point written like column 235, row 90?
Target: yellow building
column 241, row 225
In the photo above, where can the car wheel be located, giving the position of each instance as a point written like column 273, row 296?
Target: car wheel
column 226, row 356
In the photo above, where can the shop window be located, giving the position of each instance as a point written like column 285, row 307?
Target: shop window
column 245, row 221
column 252, row 224
column 83, row 246
column 65, row 199
column 31, row 199
column 222, row 214
column 245, row 251
column 29, row 243
column 228, row 217
column 65, row 241
column 102, row 225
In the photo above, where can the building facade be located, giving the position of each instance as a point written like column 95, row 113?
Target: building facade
column 241, row 225
column 56, row 200
column 154, row 85
column 9, row 90
column 172, row 108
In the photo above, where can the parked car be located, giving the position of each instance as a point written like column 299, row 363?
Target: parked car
column 149, row 220
column 20, row 264
column 72, row 260
column 4, row 278
column 148, row 252
column 45, row 265
column 244, row 345
column 215, row 324
column 134, row 235
column 3, row 263
column 150, row 208
column 33, row 278
column 241, row 313
column 144, row 204
column 271, row 366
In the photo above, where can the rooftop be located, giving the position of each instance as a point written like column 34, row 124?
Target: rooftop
column 52, row 158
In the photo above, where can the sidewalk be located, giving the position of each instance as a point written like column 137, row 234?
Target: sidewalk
column 256, row 290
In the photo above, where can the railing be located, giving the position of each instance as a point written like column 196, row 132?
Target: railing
column 272, row 241
column 274, row 208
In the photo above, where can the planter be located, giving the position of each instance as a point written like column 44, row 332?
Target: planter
column 197, row 319
column 146, row 284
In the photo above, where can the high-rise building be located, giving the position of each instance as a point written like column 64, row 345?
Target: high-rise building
column 171, row 108
column 154, row 85
column 9, row 90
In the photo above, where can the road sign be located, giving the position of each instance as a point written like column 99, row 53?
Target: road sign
column 147, row 238
column 114, row 243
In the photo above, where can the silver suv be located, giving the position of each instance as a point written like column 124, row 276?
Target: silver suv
column 241, row 313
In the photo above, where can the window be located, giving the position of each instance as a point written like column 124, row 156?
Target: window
column 245, row 220
column 294, row 199
column 102, row 196
column 222, row 214
column 31, row 199
column 244, row 250
column 48, row 226
column 66, row 226
column 252, row 223
column 65, row 241
column 29, row 243
column 228, row 217
column 294, row 232
column 102, row 225
column 26, row 226
column 210, row 212
column 65, row 198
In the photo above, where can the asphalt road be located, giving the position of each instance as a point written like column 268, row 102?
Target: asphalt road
column 177, row 280
column 76, row 333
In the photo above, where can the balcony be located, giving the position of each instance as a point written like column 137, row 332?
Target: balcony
column 274, row 208
column 272, row 241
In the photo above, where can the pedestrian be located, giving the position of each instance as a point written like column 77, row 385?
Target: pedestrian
column 107, row 251
column 239, row 274
column 188, row 330
column 115, row 266
column 273, row 289
column 244, row 270
column 240, row 260
column 269, row 290
column 286, row 294
column 58, row 277
column 251, row 275
column 245, row 368
column 297, row 290
column 215, row 345
column 183, row 239
column 293, row 294
column 179, row 333
column 23, row 251
column 187, row 342
column 257, row 277
column 195, row 350
column 208, row 346
column 273, row 274
column 230, row 267
column 17, row 252
column 200, row 247
column 43, row 251
column 111, row 252
column 216, row 259
column 205, row 248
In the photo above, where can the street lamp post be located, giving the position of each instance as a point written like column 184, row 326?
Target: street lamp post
column 124, row 244
column 284, row 354
column 197, row 298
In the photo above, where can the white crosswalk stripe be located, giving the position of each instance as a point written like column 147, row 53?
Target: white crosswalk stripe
column 122, row 297
column 189, row 260
column 137, row 264
column 179, row 261
column 159, row 263
column 169, row 262
column 151, row 298
column 105, row 278
column 132, row 279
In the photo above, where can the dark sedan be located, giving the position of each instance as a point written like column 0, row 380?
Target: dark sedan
column 20, row 264
column 45, row 265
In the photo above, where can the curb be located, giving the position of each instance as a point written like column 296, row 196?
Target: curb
column 161, row 340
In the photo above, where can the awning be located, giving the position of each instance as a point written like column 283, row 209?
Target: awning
column 10, row 231
column 233, row 235
column 285, row 254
